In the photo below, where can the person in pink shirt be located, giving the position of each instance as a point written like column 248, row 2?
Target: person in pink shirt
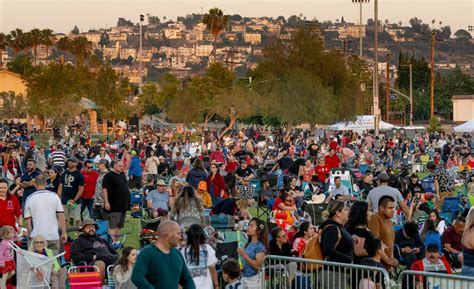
column 7, row 261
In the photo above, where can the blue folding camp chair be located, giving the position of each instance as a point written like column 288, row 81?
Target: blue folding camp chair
column 451, row 209
column 427, row 184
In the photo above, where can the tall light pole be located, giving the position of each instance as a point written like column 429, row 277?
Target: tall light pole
column 360, row 24
column 375, row 83
column 140, row 84
column 387, row 90
column 433, row 43
column 410, row 98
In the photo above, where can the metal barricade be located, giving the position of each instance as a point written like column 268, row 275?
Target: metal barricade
column 299, row 273
column 409, row 279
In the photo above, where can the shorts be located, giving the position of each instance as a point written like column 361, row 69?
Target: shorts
column 74, row 214
column 115, row 219
column 10, row 266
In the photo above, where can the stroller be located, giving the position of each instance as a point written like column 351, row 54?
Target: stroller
column 148, row 232
column 33, row 270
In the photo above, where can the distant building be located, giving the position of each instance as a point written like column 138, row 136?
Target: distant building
column 238, row 28
column 93, row 37
column 253, row 38
column 463, row 107
column 203, row 50
column 351, row 30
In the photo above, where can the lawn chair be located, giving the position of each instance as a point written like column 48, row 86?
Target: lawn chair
column 29, row 265
column 451, row 209
column 110, row 277
column 80, row 277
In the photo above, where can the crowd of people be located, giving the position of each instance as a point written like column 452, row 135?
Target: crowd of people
column 384, row 218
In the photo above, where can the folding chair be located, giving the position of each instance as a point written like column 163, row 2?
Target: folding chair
column 110, row 277
column 31, row 263
column 81, row 278
column 451, row 209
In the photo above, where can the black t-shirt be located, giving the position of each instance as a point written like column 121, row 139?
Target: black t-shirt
column 71, row 182
column 313, row 150
column 285, row 163
column 243, row 173
column 362, row 233
column 53, row 185
column 118, row 192
column 226, row 206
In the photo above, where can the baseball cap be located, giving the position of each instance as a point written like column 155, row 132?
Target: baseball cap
column 133, row 153
column 383, row 177
column 73, row 159
column 202, row 186
column 432, row 248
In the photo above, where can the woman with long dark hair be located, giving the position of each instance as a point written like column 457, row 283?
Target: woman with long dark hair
column 439, row 223
column 123, row 269
column 279, row 245
column 253, row 253
column 197, row 173
column 429, row 234
column 357, row 226
column 216, row 184
column 187, row 204
column 301, row 238
column 200, row 258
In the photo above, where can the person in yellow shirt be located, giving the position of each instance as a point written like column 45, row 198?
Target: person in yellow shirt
column 202, row 194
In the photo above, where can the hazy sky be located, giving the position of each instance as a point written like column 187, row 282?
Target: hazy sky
column 62, row 15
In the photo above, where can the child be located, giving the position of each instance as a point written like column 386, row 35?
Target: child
column 375, row 252
column 7, row 262
column 231, row 274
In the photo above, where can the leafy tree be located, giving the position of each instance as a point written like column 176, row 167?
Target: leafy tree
column 54, row 91
column 17, row 40
column 80, row 47
column 235, row 17
column 149, row 100
column 47, row 39
column 13, row 105
column 63, row 44
column 36, row 39
column 104, row 39
column 3, row 45
column 21, row 64
column 75, row 30
column 153, row 20
column 124, row 22
column 216, row 22
column 463, row 34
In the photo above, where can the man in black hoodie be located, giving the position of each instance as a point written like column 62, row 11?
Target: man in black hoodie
column 92, row 249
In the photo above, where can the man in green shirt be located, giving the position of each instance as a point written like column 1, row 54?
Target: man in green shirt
column 161, row 265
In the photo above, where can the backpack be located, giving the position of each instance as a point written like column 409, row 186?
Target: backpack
column 313, row 250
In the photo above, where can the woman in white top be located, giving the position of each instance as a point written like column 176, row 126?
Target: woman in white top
column 123, row 269
column 200, row 259
column 102, row 156
column 439, row 223
column 151, row 164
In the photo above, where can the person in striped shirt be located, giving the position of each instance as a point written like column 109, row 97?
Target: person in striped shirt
column 58, row 157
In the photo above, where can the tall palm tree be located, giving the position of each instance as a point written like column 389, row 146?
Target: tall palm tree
column 81, row 48
column 35, row 40
column 63, row 44
column 16, row 40
column 47, row 40
column 3, row 46
column 216, row 22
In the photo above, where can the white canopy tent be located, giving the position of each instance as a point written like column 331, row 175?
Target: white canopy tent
column 465, row 127
column 362, row 122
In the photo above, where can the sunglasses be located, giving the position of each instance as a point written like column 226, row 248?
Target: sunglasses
column 39, row 242
column 89, row 167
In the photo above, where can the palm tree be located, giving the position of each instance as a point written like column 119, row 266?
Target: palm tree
column 47, row 40
column 216, row 22
column 81, row 48
column 35, row 40
column 63, row 44
column 16, row 40
column 3, row 46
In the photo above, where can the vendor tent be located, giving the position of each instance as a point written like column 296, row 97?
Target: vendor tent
column 361, row 123
column 465, row 127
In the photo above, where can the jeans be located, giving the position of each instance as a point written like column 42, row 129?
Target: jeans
column 467, row 271
column 89, row 203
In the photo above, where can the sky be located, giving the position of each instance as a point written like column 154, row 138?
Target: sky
column 62, row 15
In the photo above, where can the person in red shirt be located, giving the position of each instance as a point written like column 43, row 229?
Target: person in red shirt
column 217, row 155
column 433, row 262
column 90, row 181
column 232, row 165
column 322, row 170
column 333, row 160
column 10, row 209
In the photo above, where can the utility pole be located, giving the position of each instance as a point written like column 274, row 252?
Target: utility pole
column 411, row 94
column 142, row 17
column 360, row 25
column 387, row 90
column 375, row 83
column 433, row 42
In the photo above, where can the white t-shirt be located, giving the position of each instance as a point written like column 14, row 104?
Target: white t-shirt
column 42, row 206
column 201, row 273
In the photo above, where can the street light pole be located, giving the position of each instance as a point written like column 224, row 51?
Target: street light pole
column 140, row 84
column 360, row 25
column 375, row 83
